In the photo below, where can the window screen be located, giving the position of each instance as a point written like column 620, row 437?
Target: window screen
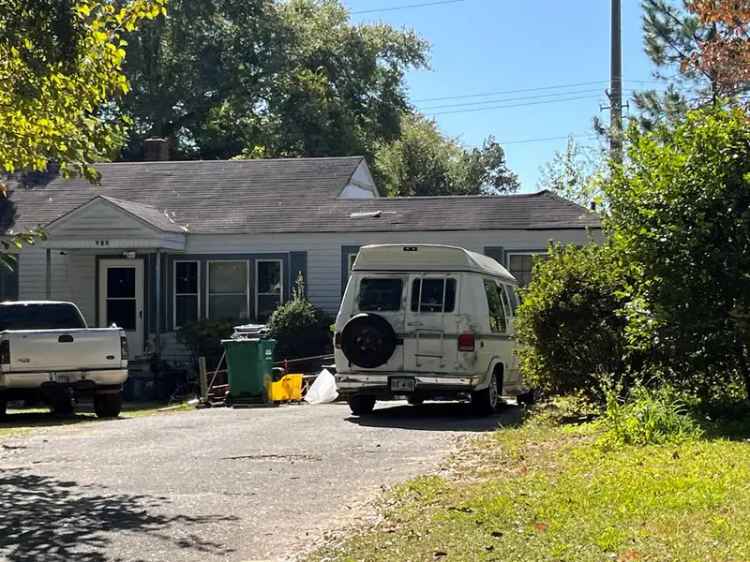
column 380, row 294
column 522, row 266
column 186, row 291
column 227, row 290
column 269, row 287
column 433, row 295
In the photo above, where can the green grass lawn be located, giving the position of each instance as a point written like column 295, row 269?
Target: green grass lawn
column 20, row 422
column 542, row 492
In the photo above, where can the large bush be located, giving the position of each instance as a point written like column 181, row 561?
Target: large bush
column 680, row 216
column 569, row 323
column 299, row 328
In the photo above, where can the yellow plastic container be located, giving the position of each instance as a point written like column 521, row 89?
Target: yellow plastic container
column 286, row 389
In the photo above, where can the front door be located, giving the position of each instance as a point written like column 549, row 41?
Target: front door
column 121, row 299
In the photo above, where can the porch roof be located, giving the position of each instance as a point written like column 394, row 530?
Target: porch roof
column 109, row 223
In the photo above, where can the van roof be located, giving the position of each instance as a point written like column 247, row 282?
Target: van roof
column 427, row 257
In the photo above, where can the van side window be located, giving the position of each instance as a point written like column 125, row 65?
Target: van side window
column 498, row 323
column 433, row 295
column 513, row 298
column 380, row 295
column 504, row 297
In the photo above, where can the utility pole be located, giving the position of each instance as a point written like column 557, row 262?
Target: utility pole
column 615, row 87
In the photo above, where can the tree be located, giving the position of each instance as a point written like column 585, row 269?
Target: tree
column 701, row 51
column 725, row 55
column 425, row 162
column 60, row 66
column 267, row 78
column 576, row 174
column 672, row 35
column 680, row 217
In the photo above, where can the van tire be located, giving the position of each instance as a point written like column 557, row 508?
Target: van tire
column 368, row 340
column 108, row 405
column 486, row 402
column 362, row 405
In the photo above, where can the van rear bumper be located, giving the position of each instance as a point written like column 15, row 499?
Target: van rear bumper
column 427, row 386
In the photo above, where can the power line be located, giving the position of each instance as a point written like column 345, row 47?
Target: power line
column 548, row 139
column 524, row 98
column 500, row 93
column 473, row 110
column 406, row 7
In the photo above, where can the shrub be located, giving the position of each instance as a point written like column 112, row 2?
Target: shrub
column 203, row 339
column 299, row 328
column 680, row 214
column 569, row 323
column 647, row 416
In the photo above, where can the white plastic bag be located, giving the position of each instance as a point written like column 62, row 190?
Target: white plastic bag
column 323, row 390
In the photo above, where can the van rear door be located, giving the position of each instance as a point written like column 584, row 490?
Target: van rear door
column 384, row 294
column 432, row 324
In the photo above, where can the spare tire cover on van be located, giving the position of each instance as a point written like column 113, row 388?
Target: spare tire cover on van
column 368, row 340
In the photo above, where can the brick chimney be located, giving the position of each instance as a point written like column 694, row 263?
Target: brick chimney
column 155, row 149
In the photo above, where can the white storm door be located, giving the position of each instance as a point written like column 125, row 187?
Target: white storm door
column 121, row 299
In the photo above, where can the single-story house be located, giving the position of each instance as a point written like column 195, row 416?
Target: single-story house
column 159, row 244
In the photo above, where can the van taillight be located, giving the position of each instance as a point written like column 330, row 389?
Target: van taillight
column 5, row 352
column 466, row 342
column 337, row 340
column 124, row 348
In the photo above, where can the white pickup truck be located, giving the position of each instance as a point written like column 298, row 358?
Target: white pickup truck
column 47, row 353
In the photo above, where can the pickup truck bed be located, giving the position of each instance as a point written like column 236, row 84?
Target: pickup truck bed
column 60, row 361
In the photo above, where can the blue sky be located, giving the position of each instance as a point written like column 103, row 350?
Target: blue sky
column 482, row 46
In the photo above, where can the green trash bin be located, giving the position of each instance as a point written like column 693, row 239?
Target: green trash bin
column 249, row 365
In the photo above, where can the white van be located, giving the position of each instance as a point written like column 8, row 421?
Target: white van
column 427, row 322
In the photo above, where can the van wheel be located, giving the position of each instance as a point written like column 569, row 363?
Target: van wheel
column 362, row 405
column 108, row 405
column 485, row 402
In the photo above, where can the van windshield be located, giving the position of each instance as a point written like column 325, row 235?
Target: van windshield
column 379, row 295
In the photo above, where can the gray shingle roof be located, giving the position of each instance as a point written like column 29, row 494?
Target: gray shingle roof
column 274, row 196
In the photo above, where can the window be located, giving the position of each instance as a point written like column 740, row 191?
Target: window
column 513, row 298
column 498, row 322
column 522, row 265
column 186, row 293
column 504, row 298
column 9, row 282
column 380, row 295
column 433, row 295
column 227, row 290
column 269, row 290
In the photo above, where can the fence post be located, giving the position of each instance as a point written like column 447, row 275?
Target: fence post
column 203, row 375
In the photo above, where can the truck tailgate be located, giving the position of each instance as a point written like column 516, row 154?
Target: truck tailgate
column 63, row 350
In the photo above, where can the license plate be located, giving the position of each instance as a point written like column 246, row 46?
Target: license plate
column 402, row 384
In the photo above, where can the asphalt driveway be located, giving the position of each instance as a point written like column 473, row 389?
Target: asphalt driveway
column 211, row 485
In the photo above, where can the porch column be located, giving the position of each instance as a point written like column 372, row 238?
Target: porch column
column 157, row 301
column 48, row 274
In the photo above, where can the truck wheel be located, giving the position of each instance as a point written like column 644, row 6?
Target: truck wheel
column 362, row 405
column 108, row 405
column 485, row 402
column 62, row 406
